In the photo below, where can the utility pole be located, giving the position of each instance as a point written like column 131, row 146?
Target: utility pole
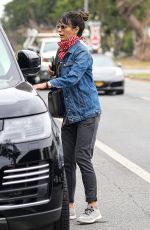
column 86, row 8
column 86, row 5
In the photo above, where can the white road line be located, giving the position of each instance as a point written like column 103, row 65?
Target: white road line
column 146, row 98
column 123, row 161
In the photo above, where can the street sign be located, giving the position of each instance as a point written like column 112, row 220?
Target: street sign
column 95, row 34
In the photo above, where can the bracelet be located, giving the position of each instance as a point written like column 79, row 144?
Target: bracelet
column 48, row 85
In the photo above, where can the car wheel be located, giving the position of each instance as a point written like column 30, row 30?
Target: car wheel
column 63, row 222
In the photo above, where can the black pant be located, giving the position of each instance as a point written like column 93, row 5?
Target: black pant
column 78, row 141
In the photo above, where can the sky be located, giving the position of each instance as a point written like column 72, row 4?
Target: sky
column 2, row 3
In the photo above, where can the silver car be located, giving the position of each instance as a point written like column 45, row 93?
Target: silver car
column 108, row 77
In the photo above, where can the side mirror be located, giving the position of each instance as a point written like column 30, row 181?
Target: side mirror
column 35, row 49
column 29, row 62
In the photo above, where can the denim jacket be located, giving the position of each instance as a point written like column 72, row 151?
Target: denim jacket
column 80, row 94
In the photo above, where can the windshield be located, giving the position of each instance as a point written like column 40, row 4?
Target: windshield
column 9, row 75
column 101, row 60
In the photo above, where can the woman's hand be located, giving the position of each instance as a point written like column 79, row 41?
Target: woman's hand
column 50, row 72
column 40, row 86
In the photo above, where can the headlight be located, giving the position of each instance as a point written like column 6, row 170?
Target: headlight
column 25, row 129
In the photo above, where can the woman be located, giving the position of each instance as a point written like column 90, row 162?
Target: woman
column 82, row 110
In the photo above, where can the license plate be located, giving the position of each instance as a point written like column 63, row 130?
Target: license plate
column 99, row 83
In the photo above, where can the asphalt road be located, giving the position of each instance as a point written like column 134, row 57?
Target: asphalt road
column 122, row 161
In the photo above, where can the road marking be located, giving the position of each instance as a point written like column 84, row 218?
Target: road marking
column 146, row 98
column 123, row 161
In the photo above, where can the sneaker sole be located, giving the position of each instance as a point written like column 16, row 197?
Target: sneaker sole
column 90, row 221
column 72, row 217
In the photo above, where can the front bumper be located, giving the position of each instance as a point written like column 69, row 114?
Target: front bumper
column 109, row 86
column 31, row 185
column 35, row 219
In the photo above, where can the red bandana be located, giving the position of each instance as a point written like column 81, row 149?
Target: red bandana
column 65, row 45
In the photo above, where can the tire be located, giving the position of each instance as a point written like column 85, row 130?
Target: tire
column 63, row 223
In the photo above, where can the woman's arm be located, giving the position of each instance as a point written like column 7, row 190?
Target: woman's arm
column 82, row 61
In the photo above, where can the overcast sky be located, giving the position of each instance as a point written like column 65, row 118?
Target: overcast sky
column 2, row 3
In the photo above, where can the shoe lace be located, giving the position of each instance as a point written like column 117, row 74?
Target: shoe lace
column 88, row 210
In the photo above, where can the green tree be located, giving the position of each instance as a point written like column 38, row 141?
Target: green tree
column 111, row 23
column 118, row 17
column 36, row 13
column 136, row 15
column 31, row 13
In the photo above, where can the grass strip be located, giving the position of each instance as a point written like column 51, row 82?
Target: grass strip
column 139, row 76
column 132, row 63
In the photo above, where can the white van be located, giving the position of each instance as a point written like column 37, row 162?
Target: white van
column 47, row 49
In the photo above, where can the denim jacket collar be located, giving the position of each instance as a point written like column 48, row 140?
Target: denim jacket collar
column 72, row 48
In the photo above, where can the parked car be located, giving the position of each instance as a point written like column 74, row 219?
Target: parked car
column 108, row 77
column 47, row 50
column 33, row 191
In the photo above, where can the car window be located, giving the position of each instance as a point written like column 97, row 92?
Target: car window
column 9, row 76
column 99, row 60
column 50, row 46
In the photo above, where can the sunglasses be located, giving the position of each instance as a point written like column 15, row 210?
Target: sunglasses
column 62, row 27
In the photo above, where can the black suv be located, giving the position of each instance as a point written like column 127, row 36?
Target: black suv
column 33, row 191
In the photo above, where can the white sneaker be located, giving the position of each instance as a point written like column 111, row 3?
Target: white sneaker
column 72, row 213
column 90, row 215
